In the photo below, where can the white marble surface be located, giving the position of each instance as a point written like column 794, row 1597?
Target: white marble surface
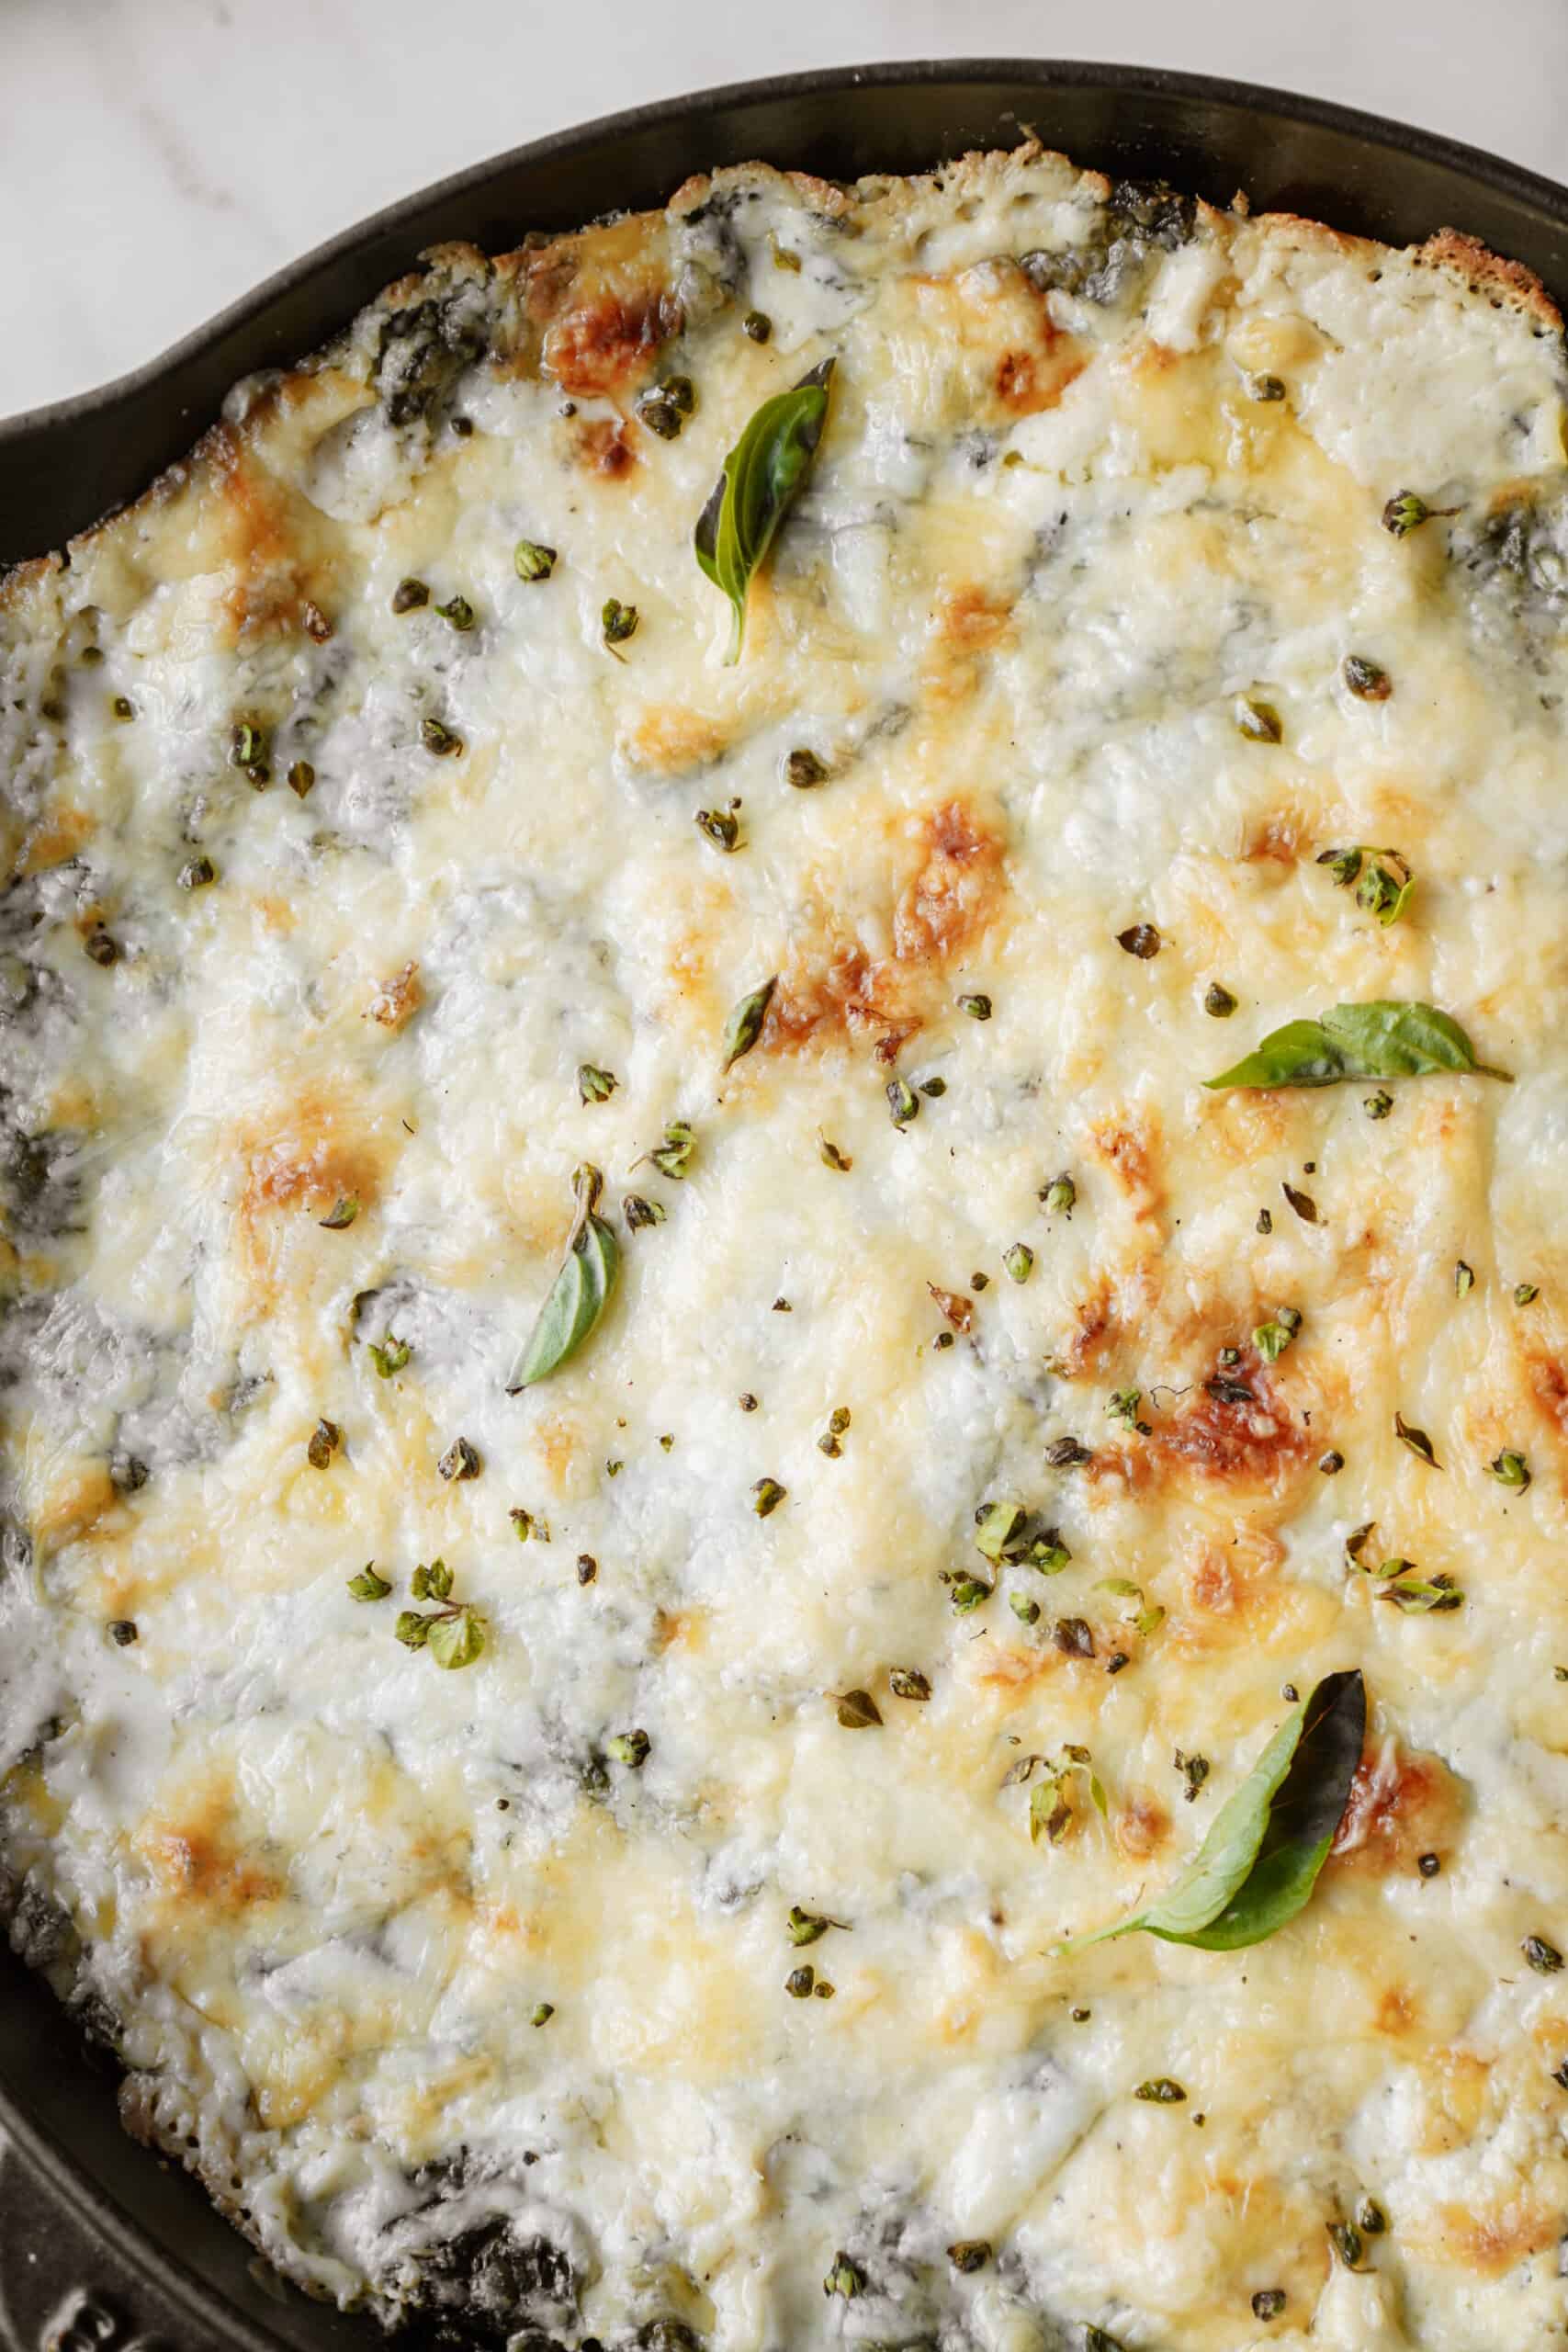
column 157, row 157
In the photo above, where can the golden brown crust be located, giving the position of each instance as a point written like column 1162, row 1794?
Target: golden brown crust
column 614, row 343
column 1488, row 273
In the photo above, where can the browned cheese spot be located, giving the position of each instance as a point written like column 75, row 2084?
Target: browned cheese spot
column 1403, row 1804
column 834, row 987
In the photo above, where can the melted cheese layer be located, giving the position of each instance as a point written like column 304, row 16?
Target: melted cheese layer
column 1098, row 465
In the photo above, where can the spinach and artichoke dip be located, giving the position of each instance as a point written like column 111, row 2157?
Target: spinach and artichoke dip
column 784, row 1052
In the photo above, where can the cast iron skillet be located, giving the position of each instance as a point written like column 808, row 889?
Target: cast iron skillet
column 81, row 2207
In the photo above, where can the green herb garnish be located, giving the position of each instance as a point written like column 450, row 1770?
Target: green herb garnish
column 1365, row 680
column 720, row 827
column 903, row 1102
column 1140, row 939
column 1382, row 877
column 846, row 2279
column 1406, row 511
column 1257, row 1867
column 665, row 407
column 858, row 1710
column 367, row 1585
column 1258, row 721
column 1271, row 1339
column 532, row 561
column 672, row 1157
column 1420, row 1443
column 762, row 476
column 456, row 1638
column 1382, row 1039
column 619, row 621
column 745, row 1024
column 837, row 1422
column 324, row 1440
column 595, row 1085
column 803, row 769
column 580, row 1292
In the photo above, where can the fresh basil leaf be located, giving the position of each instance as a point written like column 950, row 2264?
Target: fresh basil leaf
column 1382, row 1039
column 762, row 476
column 579, row 1294
column 1302, row 1820
column 1260, row 1860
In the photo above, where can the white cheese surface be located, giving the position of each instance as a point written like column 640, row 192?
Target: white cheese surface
column 1098, row 470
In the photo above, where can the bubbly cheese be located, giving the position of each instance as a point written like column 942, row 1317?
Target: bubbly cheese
column 451, row 2003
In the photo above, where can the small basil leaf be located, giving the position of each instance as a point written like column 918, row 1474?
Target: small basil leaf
column 1302, row 1820
column 1260, row 1860
column 762, row 476
column 579, row 1294
column 1382, row 1039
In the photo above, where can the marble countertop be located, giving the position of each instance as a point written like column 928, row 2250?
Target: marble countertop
column 157, row 158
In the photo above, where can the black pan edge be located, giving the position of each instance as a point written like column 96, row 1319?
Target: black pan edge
column 63, row 467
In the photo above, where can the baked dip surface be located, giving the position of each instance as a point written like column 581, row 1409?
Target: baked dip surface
column 560, row 1723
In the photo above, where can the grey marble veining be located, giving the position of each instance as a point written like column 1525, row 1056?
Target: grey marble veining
column 157, row 157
